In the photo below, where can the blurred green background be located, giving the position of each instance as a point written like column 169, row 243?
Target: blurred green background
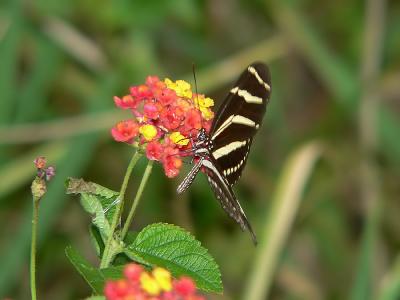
column 321, row 187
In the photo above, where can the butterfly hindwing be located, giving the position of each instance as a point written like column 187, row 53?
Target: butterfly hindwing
column 225, row 195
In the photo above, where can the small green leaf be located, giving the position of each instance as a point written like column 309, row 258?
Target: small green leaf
column 96, row 278
column 96, row 200
column 92, row 276
column 96, row 298
column 113, row 273
column 175, row 249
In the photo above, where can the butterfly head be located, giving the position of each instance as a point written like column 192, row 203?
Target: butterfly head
column 202, row 145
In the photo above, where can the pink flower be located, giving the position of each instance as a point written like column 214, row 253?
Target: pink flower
column 185, row 286
column 40, row 162
column 126, row 102
column 141, row 92
column 50, row 172
column 171, row 162
column 132, row 272
column 154, row 82
column 152, row 110
column 125, row 131
column 193, row 121
column 167, row 97
column 154, row 150
column 172, row 118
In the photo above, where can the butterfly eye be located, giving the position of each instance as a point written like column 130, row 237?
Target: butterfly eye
column 202, row 135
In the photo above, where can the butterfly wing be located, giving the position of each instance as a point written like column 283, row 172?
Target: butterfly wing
column 225, row 195
column 238, row 119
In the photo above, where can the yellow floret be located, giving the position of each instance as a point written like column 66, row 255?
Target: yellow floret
column 207, row 113
column 181, row 87
column 163, row 278
column 177, row 138
column 206, row 102
column 148, row 131
column 149, row 284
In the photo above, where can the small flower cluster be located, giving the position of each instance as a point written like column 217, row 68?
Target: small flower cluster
column 157, row 285
column 38, row 187
column 166, row 114
column 43, row 172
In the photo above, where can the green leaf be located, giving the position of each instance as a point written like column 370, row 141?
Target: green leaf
column 175, row 249
column 94, row 277
column 96, row 200
column 130, row 237
column 112, row 273
column 96, row 298
column 96, row 240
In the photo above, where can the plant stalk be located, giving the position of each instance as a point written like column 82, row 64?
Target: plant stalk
column 35, row 217
column 135, row 203
column 107, row 254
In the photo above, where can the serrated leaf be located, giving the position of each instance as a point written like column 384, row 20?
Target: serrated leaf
column 97, row 200
column 135, row 257
column 96, row 278
column 175, row 249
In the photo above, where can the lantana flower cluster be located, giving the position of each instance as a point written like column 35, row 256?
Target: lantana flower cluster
column 42, row 171
column 166, row 115
column 139, row 284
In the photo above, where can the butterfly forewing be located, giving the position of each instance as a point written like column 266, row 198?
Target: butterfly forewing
column 239, row 118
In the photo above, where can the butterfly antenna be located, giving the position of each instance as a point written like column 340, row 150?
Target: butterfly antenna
column 196, row 102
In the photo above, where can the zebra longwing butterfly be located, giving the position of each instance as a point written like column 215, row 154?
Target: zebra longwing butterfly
column 222, row 153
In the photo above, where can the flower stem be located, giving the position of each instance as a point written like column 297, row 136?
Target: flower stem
column 135, row 203
column 35, row 216
column 107, row 254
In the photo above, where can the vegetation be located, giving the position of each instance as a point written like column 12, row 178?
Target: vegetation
column 321, row 187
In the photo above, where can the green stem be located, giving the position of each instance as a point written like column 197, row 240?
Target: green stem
column 135, row 203
column 35, row 216
column 107, row 255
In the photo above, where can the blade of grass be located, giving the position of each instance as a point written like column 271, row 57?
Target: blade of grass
column 285, row 202
column 364, row 286
column 75, row 43
column 390, row 284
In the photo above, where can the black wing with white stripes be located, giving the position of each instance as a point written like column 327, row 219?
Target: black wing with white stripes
column 239, row 118
column 225, row 195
